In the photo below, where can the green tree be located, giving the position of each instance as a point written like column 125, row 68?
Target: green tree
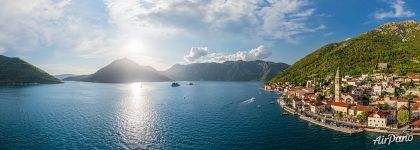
column 317, row 89
column 383, row 94
column 365, row 95
column 411, row 96
column 347, row 89
column 332, row 89
column 386, row 106
column 402, row 117
column 399, row 92
column 363, row 117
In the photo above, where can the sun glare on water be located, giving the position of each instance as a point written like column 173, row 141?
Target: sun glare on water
column 137, row 95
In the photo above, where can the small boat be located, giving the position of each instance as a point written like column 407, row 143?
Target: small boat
column 272, row 102
column 190, row 83
column 284, row 113
column 259, row 106
column 175, row 84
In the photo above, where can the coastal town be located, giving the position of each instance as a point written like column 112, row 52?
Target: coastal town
column 379, row 102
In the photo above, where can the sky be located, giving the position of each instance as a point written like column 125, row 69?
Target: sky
column 81, row 36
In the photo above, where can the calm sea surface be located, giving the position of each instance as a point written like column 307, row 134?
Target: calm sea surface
column 207, row 115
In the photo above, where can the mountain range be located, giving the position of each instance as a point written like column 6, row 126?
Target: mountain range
column 395, row 45
column 228, row 71
column 63, row 76
column 125, row 70
column 122, row 71
column 17, row 71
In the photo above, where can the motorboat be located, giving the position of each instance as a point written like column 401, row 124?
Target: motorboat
column 175, row 84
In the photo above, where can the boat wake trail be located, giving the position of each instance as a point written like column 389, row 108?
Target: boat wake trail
column 251, row 100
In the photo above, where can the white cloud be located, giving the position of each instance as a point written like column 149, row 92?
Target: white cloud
column 139, row 28
column 25, row 24
column 41, row 24
column 196, row 53
column 272, row 19
column 398, row 11
column 202, row 54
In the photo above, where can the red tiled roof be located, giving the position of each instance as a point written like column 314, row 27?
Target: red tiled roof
column 379, row 99
column 403, row 100
column 416, row 123
column 403, row 107
column 380, row 113
column 394, row 98
column 317, row 104
column 415, row 107
column 414, row 77
column 340, row 104
column 307, row 88
column 363, row 108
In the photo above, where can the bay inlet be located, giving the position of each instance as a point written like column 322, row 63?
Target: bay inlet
column 206, row 115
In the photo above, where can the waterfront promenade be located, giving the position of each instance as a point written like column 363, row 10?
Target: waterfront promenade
column 338, row 125
column 323, row 124
column 320, row 123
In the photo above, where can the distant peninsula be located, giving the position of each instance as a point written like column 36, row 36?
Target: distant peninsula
column 228, row 71
column 15, row 71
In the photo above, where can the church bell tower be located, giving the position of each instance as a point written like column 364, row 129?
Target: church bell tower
column 337, row 84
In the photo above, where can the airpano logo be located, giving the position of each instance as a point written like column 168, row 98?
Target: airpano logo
column 381, row 140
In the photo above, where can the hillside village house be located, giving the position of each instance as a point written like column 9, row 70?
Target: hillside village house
column 358, row 92
column 350, row 98
column 413, row 78
column 340, row 107
column 402, row 102
column 378, row 76
column 381, row 119
column 297, row 103
column 317, row 107
column 352, row 82
column 377, row 89
column 390, row 89
column 358, row 109
column 415, row 111
column 391, row 101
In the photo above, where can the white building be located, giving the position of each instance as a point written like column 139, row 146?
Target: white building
column 377, row 119
column 377, row 89
column 340, row 107
column 381, row 118
column 317, row 107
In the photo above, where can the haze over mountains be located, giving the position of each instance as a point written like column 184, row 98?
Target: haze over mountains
column 227, row 71
column 17, row 71
column 125, row 70
column 397, row 44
